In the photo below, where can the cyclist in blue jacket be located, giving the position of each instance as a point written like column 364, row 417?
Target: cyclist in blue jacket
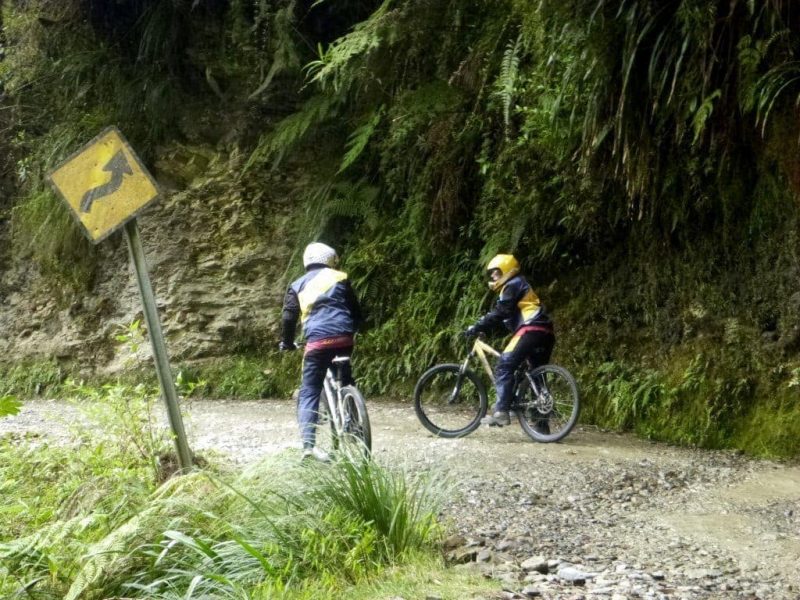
column 520, row 310
column 330, row 314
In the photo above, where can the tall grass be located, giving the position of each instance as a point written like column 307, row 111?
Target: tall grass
column 281, row 525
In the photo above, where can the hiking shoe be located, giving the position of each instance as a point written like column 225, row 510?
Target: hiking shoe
column 316, row 454
column 499, row 419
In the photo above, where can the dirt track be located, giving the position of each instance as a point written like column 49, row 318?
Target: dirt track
column 599, row 515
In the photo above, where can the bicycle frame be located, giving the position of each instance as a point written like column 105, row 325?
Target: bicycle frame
column 481, row 349
column 333, row 394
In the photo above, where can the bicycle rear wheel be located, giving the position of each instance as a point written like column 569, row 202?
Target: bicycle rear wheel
column 356, row 436
column 450, row 403
column 547, row 403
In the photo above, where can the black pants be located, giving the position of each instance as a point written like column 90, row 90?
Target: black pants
column 535, row 346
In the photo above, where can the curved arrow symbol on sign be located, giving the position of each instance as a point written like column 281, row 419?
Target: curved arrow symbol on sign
column 118, row 167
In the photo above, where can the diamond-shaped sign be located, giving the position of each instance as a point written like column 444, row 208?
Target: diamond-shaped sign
column 105, row 184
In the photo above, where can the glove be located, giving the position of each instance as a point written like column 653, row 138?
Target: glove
column 286, row 346
column 471, row 331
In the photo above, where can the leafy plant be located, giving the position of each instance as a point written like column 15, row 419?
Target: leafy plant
column 507, row 80
column 125, row 415
column 29, row 379
column 291, row 526
column 9, row 406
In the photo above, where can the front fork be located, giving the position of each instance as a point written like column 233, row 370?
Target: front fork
column 333, row 401
column 457, row 389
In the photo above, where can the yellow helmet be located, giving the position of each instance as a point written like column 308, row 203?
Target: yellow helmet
column 508, row 267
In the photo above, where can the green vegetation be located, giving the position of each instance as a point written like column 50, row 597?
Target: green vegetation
column 9, row 405
column 637, row 155
column 271, row 375
column 100, row 519
column 31, row 378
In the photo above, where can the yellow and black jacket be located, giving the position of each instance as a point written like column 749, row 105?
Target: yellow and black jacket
column 517, row 306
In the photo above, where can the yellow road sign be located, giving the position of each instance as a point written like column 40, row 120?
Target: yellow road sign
column 105, row 184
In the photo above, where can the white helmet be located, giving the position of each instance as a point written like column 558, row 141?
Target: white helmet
column 319, row 254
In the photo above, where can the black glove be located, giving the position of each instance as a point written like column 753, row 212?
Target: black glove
column 472, row 331
column 286, row 346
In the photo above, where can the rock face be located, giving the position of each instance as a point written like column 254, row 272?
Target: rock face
column 218, row 252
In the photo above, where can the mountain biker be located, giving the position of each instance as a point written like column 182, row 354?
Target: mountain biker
column 519, row 309
column 330, row 315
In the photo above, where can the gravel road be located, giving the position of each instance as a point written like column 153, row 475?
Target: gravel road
column 600, row 515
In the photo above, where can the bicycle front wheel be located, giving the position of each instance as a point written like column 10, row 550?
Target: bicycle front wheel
column 547, row 403
column 326, row 437
column 450, row 403
column 356, row 435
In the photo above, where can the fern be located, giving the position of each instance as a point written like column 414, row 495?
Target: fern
column 507, row 81
column 703, row 113
column 290, row 131
column 103, row 556
column 333, row 71
column 774, row 84
column 332, row 199
column 359, row 139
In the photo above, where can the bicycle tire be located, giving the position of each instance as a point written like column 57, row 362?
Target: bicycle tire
column 558, row 408
column 355, row 418
column 444, row 414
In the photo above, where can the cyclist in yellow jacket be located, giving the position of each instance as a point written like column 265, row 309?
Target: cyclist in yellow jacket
column 330, row 313
column 519, row 309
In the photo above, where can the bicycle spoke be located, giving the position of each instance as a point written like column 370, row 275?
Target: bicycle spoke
column 356, row 433
column 548, row 403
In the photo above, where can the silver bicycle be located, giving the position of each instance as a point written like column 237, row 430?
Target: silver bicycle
column 342, row 407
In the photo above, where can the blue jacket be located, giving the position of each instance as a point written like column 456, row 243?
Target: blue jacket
column 325, row 302
column 517, row 305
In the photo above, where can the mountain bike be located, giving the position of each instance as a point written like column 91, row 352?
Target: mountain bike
column 450, row 399
column 343, row 409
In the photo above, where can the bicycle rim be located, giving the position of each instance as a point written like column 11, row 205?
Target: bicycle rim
column 548, row 408
column 356, row 437
column 449, row 403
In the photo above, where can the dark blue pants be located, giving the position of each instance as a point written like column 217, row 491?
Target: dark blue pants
column 315, row 365
column 535, row 346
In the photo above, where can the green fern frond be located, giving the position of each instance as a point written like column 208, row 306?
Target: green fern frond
column 353, row 200
column 105, row 554
column 359, row 139
column 274, row 144
column 333, row 70
column 703, row 113
column 507, row 81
